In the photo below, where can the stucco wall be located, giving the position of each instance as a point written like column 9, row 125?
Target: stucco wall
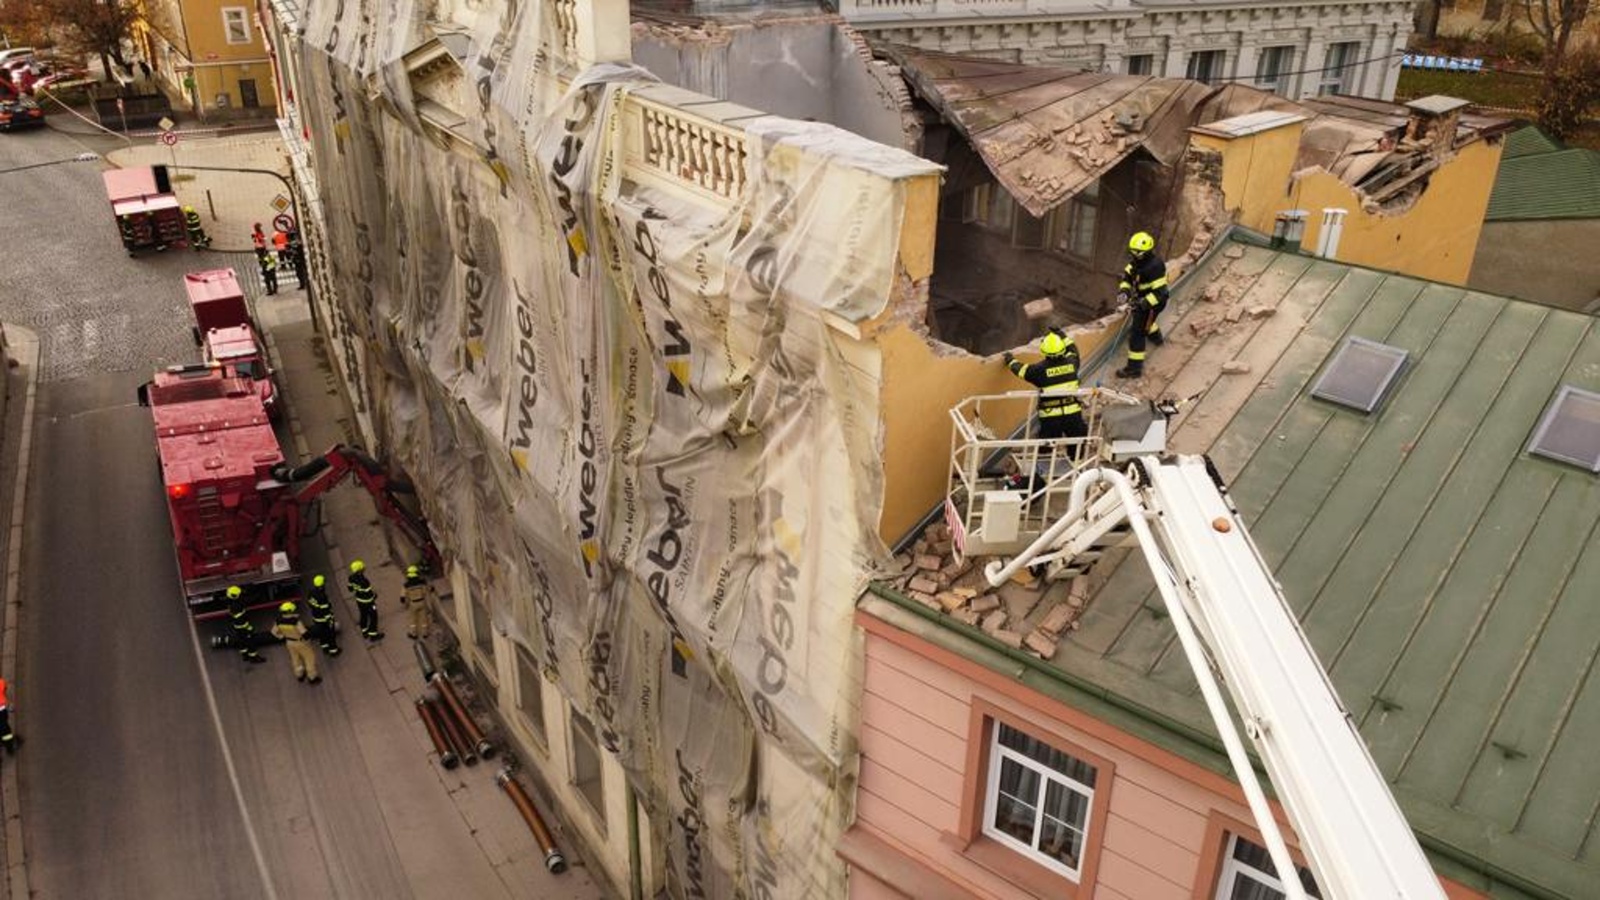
column 1435, row 237
column 1550, row 261
column 1159, row 836
column 804, row 68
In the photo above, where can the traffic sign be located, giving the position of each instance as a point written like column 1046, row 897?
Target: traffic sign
column 281, row 203
column 165, row 124
column 283, row 222
column 170, row 138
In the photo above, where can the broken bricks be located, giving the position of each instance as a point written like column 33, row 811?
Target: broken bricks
column 994, row 621
column 1056, row 620
column 1041, row 643
column 923, row 584
column 985, row 603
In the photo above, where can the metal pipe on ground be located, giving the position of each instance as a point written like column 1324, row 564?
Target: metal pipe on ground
column 454, row 706
column 553, row 860
column 425, row 660
column 441, row 744
column 452, row 731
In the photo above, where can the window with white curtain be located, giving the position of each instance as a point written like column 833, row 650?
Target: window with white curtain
column 1039, row 800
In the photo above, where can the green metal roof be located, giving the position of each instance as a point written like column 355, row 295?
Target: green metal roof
column 1447, row 579
column 1560, row 184
column 1527, row 141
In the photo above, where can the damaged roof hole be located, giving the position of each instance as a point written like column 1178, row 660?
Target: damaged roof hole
column 1360, row 374
column 1569, row 430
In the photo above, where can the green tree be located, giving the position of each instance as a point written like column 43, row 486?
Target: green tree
column 94, row 27
column 1570, row 94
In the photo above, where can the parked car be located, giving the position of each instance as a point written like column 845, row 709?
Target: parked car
column 23, row 113
column 12, row 53
column 60, row 78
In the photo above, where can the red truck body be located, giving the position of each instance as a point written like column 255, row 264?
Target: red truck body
column 218, row 452
column 227, row 333
column 147, row 213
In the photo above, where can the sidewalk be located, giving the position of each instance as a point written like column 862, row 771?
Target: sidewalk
column 445, row 824
column 16, row 445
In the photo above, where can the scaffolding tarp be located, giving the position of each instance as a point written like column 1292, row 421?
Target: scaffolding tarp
column 627, row 417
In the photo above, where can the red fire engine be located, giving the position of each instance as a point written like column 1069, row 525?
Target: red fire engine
column 236, row 508
column 147, row 212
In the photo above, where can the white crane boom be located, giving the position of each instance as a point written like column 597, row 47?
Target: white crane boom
column 1230, row 614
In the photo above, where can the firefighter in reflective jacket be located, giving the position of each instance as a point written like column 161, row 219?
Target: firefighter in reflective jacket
column 197, row 232
column 414, row 596
column 323, row 625
column 1144, row 290
column 292, row 632
column 244, row 633
column 7, row 736
column 1060, row 413
column 366, row 601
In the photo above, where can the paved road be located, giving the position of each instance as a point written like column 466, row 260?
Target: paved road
column 126, row 789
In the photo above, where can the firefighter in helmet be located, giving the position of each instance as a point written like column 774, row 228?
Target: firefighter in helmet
column 244, row 633
column 323, row 625
column 1056, row 377
column 292, row 632
column 414, row 596
column 1144, row 291
column 366, row 598
column 198, row 239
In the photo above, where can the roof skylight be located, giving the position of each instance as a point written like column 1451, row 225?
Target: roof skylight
column 1360, row 374
column 1569, row 431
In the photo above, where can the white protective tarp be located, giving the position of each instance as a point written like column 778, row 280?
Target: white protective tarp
column 625, row 414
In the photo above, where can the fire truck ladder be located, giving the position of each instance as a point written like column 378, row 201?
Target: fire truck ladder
column 213, row 524
column 1232, row 621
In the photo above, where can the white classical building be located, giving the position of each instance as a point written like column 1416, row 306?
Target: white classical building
column 1296, row 49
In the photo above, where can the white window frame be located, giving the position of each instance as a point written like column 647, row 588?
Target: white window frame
column 240, row 16
column 1234, row 869
column 1278, row 82
column 999, row 752
column 1217, row 73
column 1343, row 79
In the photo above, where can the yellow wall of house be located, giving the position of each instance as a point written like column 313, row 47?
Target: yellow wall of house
column 1434, row 238
column 214, row 80
column 208, row 40
column 920, row 386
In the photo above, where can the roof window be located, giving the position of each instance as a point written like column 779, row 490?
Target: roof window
column 1360, row 374
column 1569, row 430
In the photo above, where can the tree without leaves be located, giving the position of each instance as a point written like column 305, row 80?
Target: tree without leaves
column 1554, row 21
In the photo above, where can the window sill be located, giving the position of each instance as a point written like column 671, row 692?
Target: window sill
column 1033, row 879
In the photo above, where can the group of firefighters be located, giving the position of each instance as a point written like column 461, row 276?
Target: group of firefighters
column 1143, row 292
column 286, row 252
column 297, row 635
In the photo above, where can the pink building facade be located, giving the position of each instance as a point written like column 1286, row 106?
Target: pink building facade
column 976, row 786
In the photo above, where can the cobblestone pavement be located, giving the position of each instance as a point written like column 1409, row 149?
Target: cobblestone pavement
column 95, row 309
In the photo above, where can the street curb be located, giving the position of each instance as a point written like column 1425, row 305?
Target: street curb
column 26, row 352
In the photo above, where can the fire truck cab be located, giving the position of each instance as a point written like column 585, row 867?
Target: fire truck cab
column 226, row 332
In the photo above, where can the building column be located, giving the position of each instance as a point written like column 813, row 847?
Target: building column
column 1316, row 57
column 1244, row 64
column 1177, row 59
column 1387, row 78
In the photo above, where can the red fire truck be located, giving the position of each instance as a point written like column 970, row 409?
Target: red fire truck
column 237, row 510
column 147, row 212
column 226, row 332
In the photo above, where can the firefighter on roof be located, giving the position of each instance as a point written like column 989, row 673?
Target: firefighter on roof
column 1060, row 413
column 323, row 625
column 366, row 601
column 292, row 632
column 414, row 597
column 1144, row 290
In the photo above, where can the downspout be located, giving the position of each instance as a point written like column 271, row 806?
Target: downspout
column 635, row 854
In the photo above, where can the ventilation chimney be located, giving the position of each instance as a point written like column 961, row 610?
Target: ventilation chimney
column 1433, row 120
column 1332, row 229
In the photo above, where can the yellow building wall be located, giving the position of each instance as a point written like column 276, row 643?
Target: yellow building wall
column 920, row 386
column 219, row 65
column 1434, row 238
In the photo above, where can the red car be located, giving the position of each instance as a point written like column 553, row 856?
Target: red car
column 23, row 113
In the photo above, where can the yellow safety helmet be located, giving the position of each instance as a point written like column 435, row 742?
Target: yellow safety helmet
column 1053, row 344
column 357, row 566
column 286, row 607
column 188, row 209
column 411, row 571
column 1142, row 242
column 318, row 581
column 234, row 592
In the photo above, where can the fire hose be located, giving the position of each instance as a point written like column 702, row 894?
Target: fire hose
column 454, row 707
column 441, row 744
column 452, row 731
column 553, row 860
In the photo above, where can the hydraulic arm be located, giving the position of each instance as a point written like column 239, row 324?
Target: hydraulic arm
column 1232, row 620
column 325, row 472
